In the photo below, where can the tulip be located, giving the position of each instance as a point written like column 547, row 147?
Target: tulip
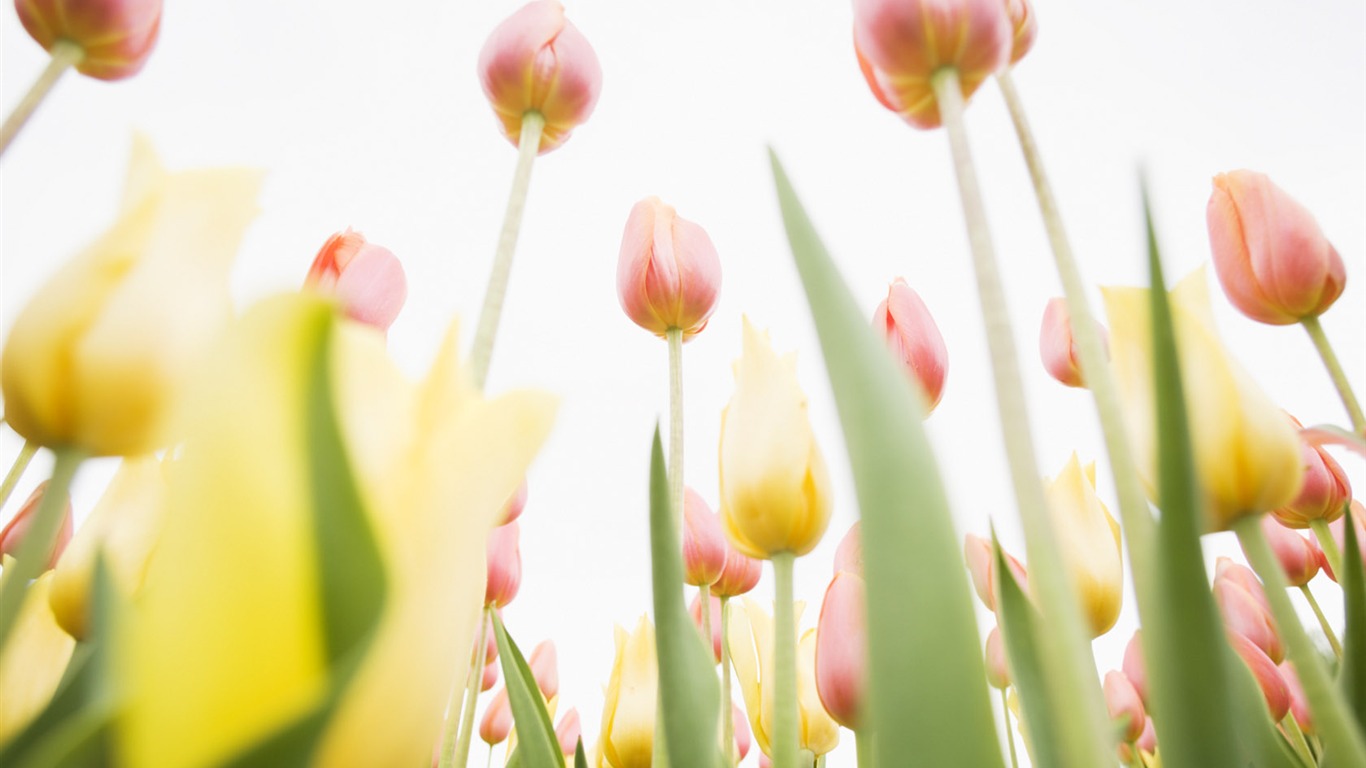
column 1274, row 262
column 775, row 491
column 695, row 608
column 1247, row 456
column 1299, row 705
column 1025, row 26
column 489, row 678
column 545, row 668
column 668, row 275
column 1058, row 348
column 628, row 714
column 849, row 553
column 998, row 669
column 496, row 725
column 223, row 654
column 1245, row 612
column 905, row 322
column 12, row 535
column 1089, row 540
column 1124, row 705
column 740, row 725
column 1268, row 676
column 1147, row 746
column 367, row 279
column 842, row 649
column 901, row 44
column 536, row 61
column 98, row 359
column 704, row 544
column 568, row 732
column 34, row 660
column 504, row 566
column 1133, row 665
column 115, row 36
column 1339, row 531
column 1299, row 557
column 981, row 567
column 1325, row 492
column 740, row 574
column 515, row 505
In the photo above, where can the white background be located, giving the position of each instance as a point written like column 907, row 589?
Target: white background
column 370, row 115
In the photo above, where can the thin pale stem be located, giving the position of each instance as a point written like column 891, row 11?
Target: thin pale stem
column 482, row 352
column 36, row 547
column 863, row 744
column 455, row 750
column 16, row 470
column 65, row 54
column 727, row 708
column 784, row 738
column 1340, row 734
column 1070, row 661
column 1010, row 734
column 675, row 338
column 1296, row 738
column 1323, row 620
column 1339, row 376
column 1328, row 544
column 706, row 619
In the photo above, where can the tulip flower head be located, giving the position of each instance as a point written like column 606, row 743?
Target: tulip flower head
column 1058, row 347
column 496, row 725
column 704, row 543
column 1266, row 672
column 842, row 649
column 668, row 274
column 1242, row 603
column 982, row 567
column 366, row 278
column 628, row 714
column 1133, row 665
column 1325, row 492
column 740, row 574
column 1274, row 262
column 1025, row 25
column 1125, row 705
column 504, row 566
column 1089, row 539
column 490, row 677
column 849, row 554
column 1357, row 518
column 695, row 608
column 12, row 535
column 1299, row 557
column 545, row 668
column 568, row 732
column 914, row 339
column 537, row 61
column 998, row 669
column 1299, row 703
column 115, row 36
column 775, row 490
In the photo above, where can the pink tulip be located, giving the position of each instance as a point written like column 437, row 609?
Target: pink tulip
column 1246, row 612
column 901, row 44
column 545, row 668
column 515, row 504
column 977, row 553
column 704, row 543
column 537, row 61
column 568, row 732
column 1025, row 26
column 1274, row 262
column 504, row 566
column 739, row 576
column 1299, row 705
column 1133, row 665
column 1058, row 348
column 998, row 670
column 12, row 535
column 1147, row 742
column 1339, row 530
column 842, row 649
column 695, row 608
column 116, row 36
column 668, row 274
column 1124, row 704
column 365, row 278
column 1267, row 674
column 849, row 554
column 1325, row 492
column 1299, row 556
column 905, row 322
column 741, row 728
column 490, row 677
column 497, row 722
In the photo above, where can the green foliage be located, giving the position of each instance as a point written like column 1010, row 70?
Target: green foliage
column 1020, row 623
column 536, row 742
column 1352, row 675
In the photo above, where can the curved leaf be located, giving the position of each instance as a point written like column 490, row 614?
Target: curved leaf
column 536, row 742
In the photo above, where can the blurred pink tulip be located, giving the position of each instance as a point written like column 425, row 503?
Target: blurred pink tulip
column 704, row 543
column 1299, row 557
column 1273, row 261
column 116, row 36
column 1125, row 705
column 1057, row 346
column 740, row 575
column 504, row 566
column 1025, row 26
column 12, row 535
column 849, row 554
column 537, row 61
column 1325, row 492
column 1268, row 675
column 1358, row 518
column 977, row 553
column 998, row 670
column 668, row 274
column 695, row 608
column 367, row 279
column 842, row 649
column 490, row 677
column 545, row 668
column 515, row 505
column 1133, row 665
column 742, row 736
column 497, row 722
column 905, row 322
column 568, row 732
column 1245, row 611
column 1299, row 705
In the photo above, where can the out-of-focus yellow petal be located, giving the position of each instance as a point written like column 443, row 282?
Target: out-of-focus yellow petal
column 628, row 718
column 745, row 659
column 750, row 635
column 33, row 660
column 1088, row 537
column 819, row 732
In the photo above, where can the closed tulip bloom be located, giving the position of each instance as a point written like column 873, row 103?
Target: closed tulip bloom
column 545, row 668
column 34, row 660
column 849, row 554
column 1245, row 613
column 1357, row 517
column 704, row 543
column 905, row 322
column 1273, row 260
column 568, row 732
column 490, row 677
column 515, row 505
column 1267, row 674
column 982, row 567
column 740, row 725
column 1247, row 455
column 1088, row 537
column 1133, row 665
column 998, row 669
column 775, row 490
column 536, row 61
column 695, row 608
column 901, row 44
column 367, row 279
column 115, row 36
column 668, row 274
column 12, row 535
column 1025, row 25
column 842, row 649
column 496, row 724
column 504, row 566
column 100, row 356
column 740, row 574
column 1325, row 492
column 1058, row 347
column 1299, row 705
column 1299, row 556
column 628, row 713
column 1124, row 705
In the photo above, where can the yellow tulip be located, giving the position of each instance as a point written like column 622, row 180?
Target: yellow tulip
column 628, row 713
column 98, row 358
column 775, row 490
column 33, row 660
column 226, row 644
column 1089, row 539
column 1247, row 454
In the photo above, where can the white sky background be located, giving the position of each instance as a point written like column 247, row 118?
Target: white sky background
column 370, row 115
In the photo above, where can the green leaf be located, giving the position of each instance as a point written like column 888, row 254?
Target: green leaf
column 536, row 742
column 580, row 759
column 922, row 632
column 689, row 694
column 1352, row 675
column 1019, row 622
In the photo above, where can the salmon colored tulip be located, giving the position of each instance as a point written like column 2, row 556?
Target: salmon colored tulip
column 1325, row 492
column 981, row 567
column 998, row 667
column 504, row 566
column 910, row 331
column 1299, row 704
column 367, row 279
column 34, row 660
column 115, row 36
column 842, row 649
column 496, row 725
column 740, row 574
column 568, row 733
column 1267, row 674
column 1299, row 556
column 515, row 505
column 740, row 725
column 628, row 713
column 1125, row 705
column 1339, row 531
column 12, row 535
column 1058, row 347
column 704, row 543
column 1088, row 538
column 545, row 668
column 1134, row 667
column 849, row 554
column 695, row 608
column 1245, row 611
column 668, row 274
column 490, row 677
column 1025, row 26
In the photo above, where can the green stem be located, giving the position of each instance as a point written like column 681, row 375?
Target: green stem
column 863, row 743
column 16, row 470
column 456, row 751
column 65, row 54
column 527, row 148
column 675, row 337
column 1296, row 738
column 1067, row 658
column 784, row 737
column 1340, row 735
column 1328, row 544
column 1330, row 361
column 727, row 708
column 1323, row 620
column 706, row 620
column 36, row 547
column 1010, row 734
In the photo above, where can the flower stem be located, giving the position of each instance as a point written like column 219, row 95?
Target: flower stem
column 1328, row 544
column 1340, row 734
column 1067, row 656
column 65, row 54
column 1010, row 735
column 16, row 470
column 1334, row 366
column 727, row 708
column 706, row 619
column 863, row 743
column 784, row 739
column 458, row 749
column 482, row 352
column 1323, row 620
column 36, row 548
column 675, row 337
column 1296, row 738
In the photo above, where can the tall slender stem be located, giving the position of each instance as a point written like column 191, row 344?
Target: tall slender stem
column 706, row 619
column 36, row 548
column 482, row 352
column 1010, row 735
column 784, row 737
column 1323, row 620
column 727, row 708
column 1296, row 739
column 1339, row 376
column 863, row 744
column 1069, row 660
column 456, row 751
column 675, row 338
column 1340, row 734
column 16, row 470
column 65, row 54
column 1328, row 544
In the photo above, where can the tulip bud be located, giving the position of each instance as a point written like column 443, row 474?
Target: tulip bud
column 367, row 279
column 515, row 505
column 849, row 554
column 1089, row 540
column 1325, row 492
column 628, row 712
column 1299, row 557
column 115, row 36
column 1058, row 348
column 695, row 608
column 497, row 722
column 1025, row 26
column 568, row 732
column 842, row 649
column 740, row 574
column 545, row 668
column 536, row 61
column 1124, row 705
column 1267, row 674
column 1245, row 612
column 981, row 567
column 998, row 669
column 704, row 544
column 901, row 44
column 1133, row 665
column 504, row 566
column 668, row 275
column 1274, row 262
column 1146, row 744
column 741, row 729
column 911, row 334
column 1299, row 704
column 12, row 535
column 1358, row 519
column 490, row 677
